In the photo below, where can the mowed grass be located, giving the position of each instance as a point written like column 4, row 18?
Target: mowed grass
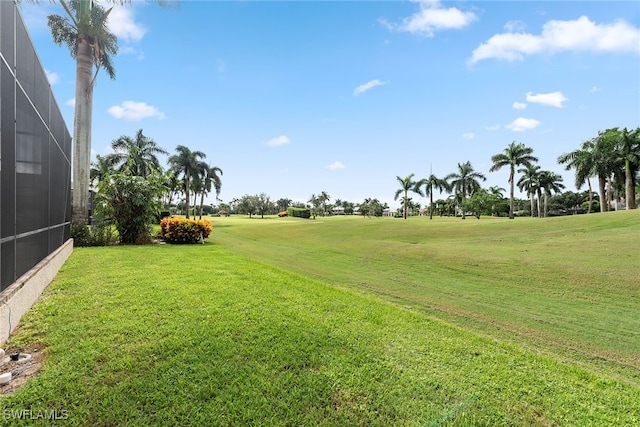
column 199, row 335
column 567, row 286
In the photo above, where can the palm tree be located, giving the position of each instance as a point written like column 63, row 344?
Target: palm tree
column 139, row 154
column 496, row 196
column 431, row 183
column 494, row 190
column 208, row 178
column 516, row 154
column 315, row 202
column 185, row 163
column 407, row 184
column 582, row 161
column 629, row 152
column 551, row 182
column 530, row 181
column 84, row 31
column 323, row 198
column 465, row 182
column 196, row 182
column 99, row 169
column 603, row 149
column 173, row 185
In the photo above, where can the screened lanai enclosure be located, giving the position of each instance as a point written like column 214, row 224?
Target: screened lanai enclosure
column 35, row 155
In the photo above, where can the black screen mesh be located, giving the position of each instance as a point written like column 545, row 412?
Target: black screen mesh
column 7, row 36
column 35, row 155
column 7, row 150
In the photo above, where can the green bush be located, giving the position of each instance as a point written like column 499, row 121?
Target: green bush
column 595, row 206
column 102, row 234
column 80, row 235
column 299, row 212
column 132, row 203
column 99, row 234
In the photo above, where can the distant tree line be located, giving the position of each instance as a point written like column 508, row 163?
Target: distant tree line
column 612, row 157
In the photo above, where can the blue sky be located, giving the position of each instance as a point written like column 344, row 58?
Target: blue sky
column 294, row 98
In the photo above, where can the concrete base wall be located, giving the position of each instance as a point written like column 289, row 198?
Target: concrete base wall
column 21, row 295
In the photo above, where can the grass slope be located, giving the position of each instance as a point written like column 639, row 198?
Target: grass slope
column 567, row 286
column 197, row 335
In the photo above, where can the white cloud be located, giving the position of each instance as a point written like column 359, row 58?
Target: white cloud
column 469, row 135
column 581, row 34
column 130, row 50
column 121, row 23
column 134, row 111
column 519, row 105
column 553, row 99
column 367, row 86
column 521, row 124
column 127, row 50
column 278, row 141
column 52, row 77
column 515, row 26
column 433, row 17
column 492, row 128
column 594, row 89
column 336, row 165
column 70, row 102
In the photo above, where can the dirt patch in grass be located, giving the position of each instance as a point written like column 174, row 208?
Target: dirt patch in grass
column 21, row 370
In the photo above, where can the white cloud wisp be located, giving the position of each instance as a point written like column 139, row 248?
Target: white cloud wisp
column 521, row 124
column 581, row 34
column 368, row 86
column 122, row 23
column 553, row 99
column 336, row 165
column 279, row 141
column 135, row 111
column 433, row 17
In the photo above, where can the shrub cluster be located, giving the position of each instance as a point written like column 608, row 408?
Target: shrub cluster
column 99, row 234
column 299, row 212
column 182, row 230
column 283, row 213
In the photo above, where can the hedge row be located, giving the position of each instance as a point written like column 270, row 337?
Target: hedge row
column 299, row 212
column 182, row 230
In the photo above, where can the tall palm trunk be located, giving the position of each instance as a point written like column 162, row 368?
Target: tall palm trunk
column 405, row 204
column 431, row 202
column 630, row 190
column 533, row 205
column 609, row 193
column 539, row 194
column 511, row 194
column 201, row 203
column 590, row 195
column 546, row 203
column 82, row 132
column 187, row 192
column 604, row 206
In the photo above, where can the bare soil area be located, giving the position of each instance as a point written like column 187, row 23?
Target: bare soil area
column 21, row 370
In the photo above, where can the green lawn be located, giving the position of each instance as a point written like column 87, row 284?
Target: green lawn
column 352, row 334
column 566, row 286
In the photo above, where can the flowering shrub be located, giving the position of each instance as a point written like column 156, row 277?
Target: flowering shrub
column 283, row 213
column 182, row 230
